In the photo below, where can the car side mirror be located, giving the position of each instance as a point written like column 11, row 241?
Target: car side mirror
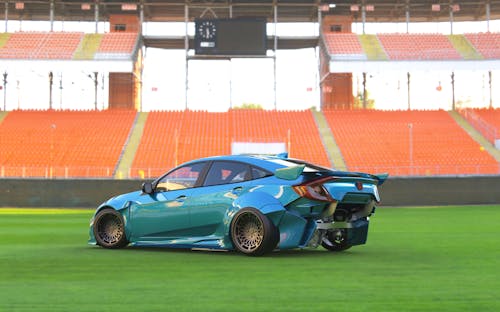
column 147, row 188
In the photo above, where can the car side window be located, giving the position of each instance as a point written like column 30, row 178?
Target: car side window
column 225, row 172
column 259, row 173
column 181, row 178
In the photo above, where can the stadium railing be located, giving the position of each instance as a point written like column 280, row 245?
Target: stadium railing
column 487, row 130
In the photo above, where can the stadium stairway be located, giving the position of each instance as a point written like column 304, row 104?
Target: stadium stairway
column 372, row 47
column 331, row 147
column 131, row 146
column 3, row 115
column 88, row 47
column 463, row 46
column 476, row 135
column 4, row 37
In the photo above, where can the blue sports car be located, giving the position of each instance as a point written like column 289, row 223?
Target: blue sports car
column 252, row 204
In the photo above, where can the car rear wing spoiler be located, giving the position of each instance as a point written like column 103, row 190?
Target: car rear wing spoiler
column 289, row 173
column 379, row 178
column 292, row 173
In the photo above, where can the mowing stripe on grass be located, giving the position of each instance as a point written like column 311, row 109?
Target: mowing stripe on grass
column 438, row 259
column 43, row 211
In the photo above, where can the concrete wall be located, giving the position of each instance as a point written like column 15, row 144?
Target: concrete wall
column 441, row 191
column 395, row 192
column 61, row 193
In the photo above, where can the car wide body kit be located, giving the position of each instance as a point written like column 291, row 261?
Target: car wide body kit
column 300, row 204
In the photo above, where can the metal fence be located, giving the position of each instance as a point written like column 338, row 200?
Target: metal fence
column 69, row 172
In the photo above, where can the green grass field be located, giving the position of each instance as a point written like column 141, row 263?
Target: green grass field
column 416, row 259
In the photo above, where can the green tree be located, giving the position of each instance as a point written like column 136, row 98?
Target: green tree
column 358, row 101
column 248, row 106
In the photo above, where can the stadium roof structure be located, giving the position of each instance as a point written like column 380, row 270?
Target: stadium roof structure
column 286, row 10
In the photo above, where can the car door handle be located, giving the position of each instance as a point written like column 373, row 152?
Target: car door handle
column 181, row 198
column 237, row 190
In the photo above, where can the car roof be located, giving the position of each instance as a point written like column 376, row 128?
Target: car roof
column 263, row 161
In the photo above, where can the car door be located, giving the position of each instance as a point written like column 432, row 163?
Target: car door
column 225, row 181
column 165, row 214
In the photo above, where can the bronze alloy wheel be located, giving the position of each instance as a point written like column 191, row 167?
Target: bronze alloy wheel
column 249, row 231
column 253, row 233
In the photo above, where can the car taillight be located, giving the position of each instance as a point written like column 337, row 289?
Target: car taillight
column 314, row 190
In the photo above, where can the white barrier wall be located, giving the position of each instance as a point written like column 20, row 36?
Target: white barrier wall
column 238, row 148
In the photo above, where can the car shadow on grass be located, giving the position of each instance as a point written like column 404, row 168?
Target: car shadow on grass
column 288, row 253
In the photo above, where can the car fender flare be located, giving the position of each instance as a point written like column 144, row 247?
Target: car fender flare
column 123, row 210
column 264, row 202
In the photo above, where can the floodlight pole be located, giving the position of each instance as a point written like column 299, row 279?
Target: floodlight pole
column 51, row 14
column 275, row 50
column 363, row 17
column 96, row 83
column 60, row 91
column 6, row 15
column 5, row 91
column 141, row 17
column 491, row 91
column 407, row 17
column 488, row 12
column 96, row 16
column 51, row 82
column 186, row 48
column 452, row 91
column 364, row 90
column 408, row 86
column 451, row 20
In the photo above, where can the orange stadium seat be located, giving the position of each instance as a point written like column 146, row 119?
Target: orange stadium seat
column 278, row 126
column 68, row 143
column 407, row 143
column 485, row 43
column 343, row 44
column 418, row 47
column 41, row 45
column 118, row 42
column 485, row 120
column 171, row 138
column 62, row 45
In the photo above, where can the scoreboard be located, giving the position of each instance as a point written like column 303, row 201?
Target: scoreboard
column 228, row 37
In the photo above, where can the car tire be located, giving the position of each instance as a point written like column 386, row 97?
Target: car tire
column 253, row 233
column 335, row 240
column 109, row 229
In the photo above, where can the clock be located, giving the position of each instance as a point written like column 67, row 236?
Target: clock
column 206, row 30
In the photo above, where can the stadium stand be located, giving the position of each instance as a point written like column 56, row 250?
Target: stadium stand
column 63, row 143
column 67, row 45
column 40, row 45
column 90, row 143
column 418, row 47
column 88, row 47
column 117, row 44
column 344, row 46
column 485, row 43
column 297, row 128
column 396, row 47
column 372, row 47
column 484, row 120
column 407, row 143
column 59, row 45
column 464, row 47
column 171, row 138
